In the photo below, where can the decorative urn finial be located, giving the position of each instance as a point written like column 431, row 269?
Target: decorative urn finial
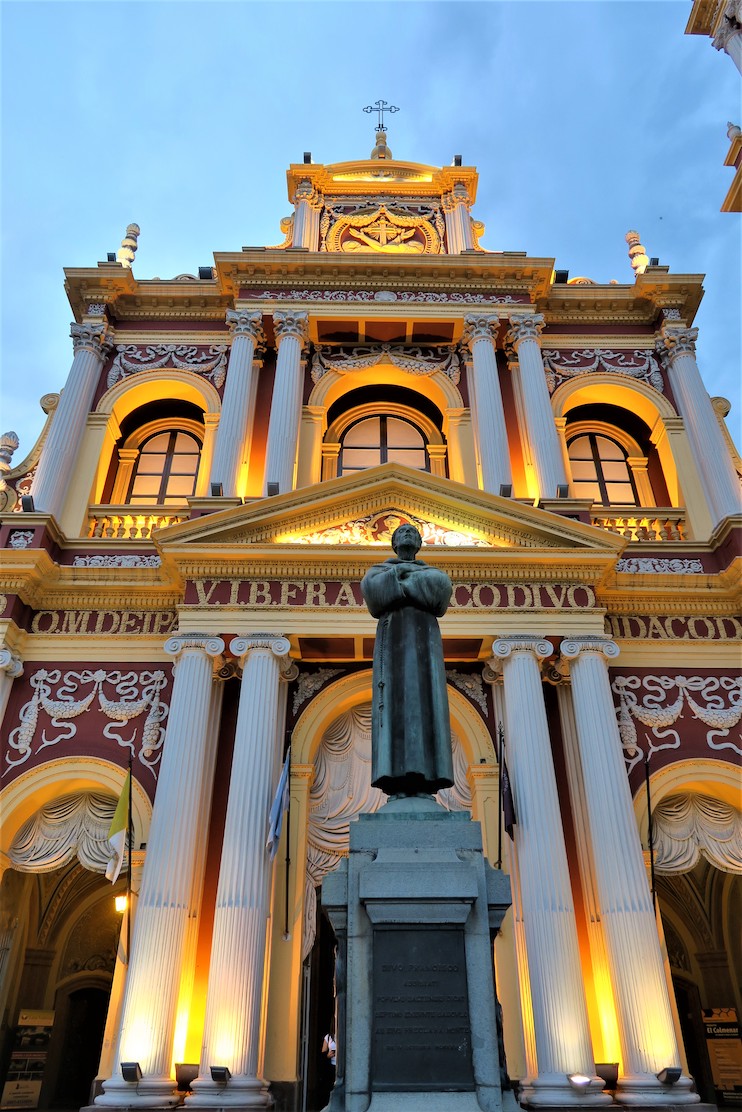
column 128, row 249
column 637, row 254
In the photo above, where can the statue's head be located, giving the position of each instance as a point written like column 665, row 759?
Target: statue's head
column 406, row 538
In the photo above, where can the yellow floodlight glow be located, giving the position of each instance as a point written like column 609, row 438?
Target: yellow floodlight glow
column 121, row 903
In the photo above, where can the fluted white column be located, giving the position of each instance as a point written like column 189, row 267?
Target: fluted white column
column 718, row 476
column 645, row 1024
column 480, row 333
column 561, row 1029
column 307, row 206
column 56, row 465
column 164, row 908
column 729, row 36
column 238, row 958
column 11, row 667
column 459, row 235
column 543, row 439
column 283, row 428
column 234, row 434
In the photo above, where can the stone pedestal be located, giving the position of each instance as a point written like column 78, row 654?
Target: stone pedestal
column 414, row 909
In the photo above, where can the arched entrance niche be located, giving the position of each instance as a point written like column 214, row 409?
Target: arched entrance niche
column 697, row 835
column 315, row 437
column 285, row 984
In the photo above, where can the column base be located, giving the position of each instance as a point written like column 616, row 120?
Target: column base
column 645, row 1091
column 555, row 1091
column 150, row 1092
column 239, row 1092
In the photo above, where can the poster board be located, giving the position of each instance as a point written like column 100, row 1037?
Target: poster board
column 28, row 1059
column 725, row 1053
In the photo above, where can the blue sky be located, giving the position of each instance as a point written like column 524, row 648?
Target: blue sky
column 584, row 119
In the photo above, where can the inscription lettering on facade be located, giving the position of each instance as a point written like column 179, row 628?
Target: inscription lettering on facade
column 674, row 628
column 132, row 623
column 421, row 1028
column 346, row 593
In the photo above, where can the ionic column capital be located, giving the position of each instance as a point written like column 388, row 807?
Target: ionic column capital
column 677, row 340
column 287, row 324
column 505, row 647
column 479, row 327
column 278, row 645
column 211, row 646
column 243, row 323
column 11, row 664
column 91, row 337
column 573, row 647
column 524, row 326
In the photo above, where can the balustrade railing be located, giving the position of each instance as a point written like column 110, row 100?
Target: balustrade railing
column 131, row 523
column 642, row 524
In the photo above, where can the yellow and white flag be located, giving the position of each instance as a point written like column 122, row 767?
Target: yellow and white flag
column 117, row 833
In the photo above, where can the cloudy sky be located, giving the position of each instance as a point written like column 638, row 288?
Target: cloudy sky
column 584, row 119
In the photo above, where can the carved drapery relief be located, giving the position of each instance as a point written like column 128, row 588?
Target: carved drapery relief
column 75, row 826
column 57, row 695
column 415, row 360
column 658, row 702
column 382, row 231
column 341, row 790
column 133, row 358
column 688, row 827
column 563, row 365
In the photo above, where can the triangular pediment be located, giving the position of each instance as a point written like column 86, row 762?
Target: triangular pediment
column 362, row 510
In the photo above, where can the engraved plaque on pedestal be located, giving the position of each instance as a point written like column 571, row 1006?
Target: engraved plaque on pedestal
column 421, row 1037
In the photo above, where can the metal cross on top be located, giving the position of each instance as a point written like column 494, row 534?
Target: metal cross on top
column 381, row 107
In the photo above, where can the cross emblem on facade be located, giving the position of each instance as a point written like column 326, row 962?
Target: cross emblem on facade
column 380, row 107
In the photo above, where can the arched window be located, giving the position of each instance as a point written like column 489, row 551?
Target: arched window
column 371, row 441
column 165, row 469
column 601, row 471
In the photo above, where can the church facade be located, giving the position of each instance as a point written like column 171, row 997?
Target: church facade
column 183, row 550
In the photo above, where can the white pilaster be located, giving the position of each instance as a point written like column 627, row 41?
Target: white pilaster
column 719, row 478
column 645, row 1024
column 164, row 909
column 480, row 333
column 562, row 1035
column 459, row 236
column 307, row 207
column 91, row 346
column 729, row 35
column 11, row 667
column 544, row 447
column 238, row 407
column 283, row 428
column 232, row 1033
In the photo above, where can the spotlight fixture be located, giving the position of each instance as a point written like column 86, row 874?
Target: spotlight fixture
column 185, row 1074
column 220, row 1074
column 670, row 1075
column 272, row 489
column 562, row 490
column 217, row 490
column 205, row 273
column 506, row 490
column 579, row 1080
column 561, row 277
column 120, row 903
column 110, row 256
column 609, row 1073
column 27, row 505
column 307, row 158
column 457, row 160
column 131, row 1071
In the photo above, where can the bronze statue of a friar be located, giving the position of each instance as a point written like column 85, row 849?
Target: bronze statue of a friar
column 410, row 728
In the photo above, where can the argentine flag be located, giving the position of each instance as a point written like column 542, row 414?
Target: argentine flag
column 278, row 809
column 117, row 833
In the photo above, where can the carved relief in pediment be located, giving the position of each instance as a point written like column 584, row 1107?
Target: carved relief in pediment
column 384, row 232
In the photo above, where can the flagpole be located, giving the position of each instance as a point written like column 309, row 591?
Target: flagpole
column 500, row 743
column 650, row 832
column 288, row 853
column 130, row 836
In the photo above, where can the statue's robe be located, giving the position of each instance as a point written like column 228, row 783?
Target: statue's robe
column 411, row 728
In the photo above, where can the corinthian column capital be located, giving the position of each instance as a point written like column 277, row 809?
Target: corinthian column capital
column 573, row 647
column 295, row 325
column 92, row 338
column 505, row 647
column 731, row 25
column 478, row 327
column 677, row 340
column 11, row 664
column 242, row 323
column 525, row 326
column 212, row 646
